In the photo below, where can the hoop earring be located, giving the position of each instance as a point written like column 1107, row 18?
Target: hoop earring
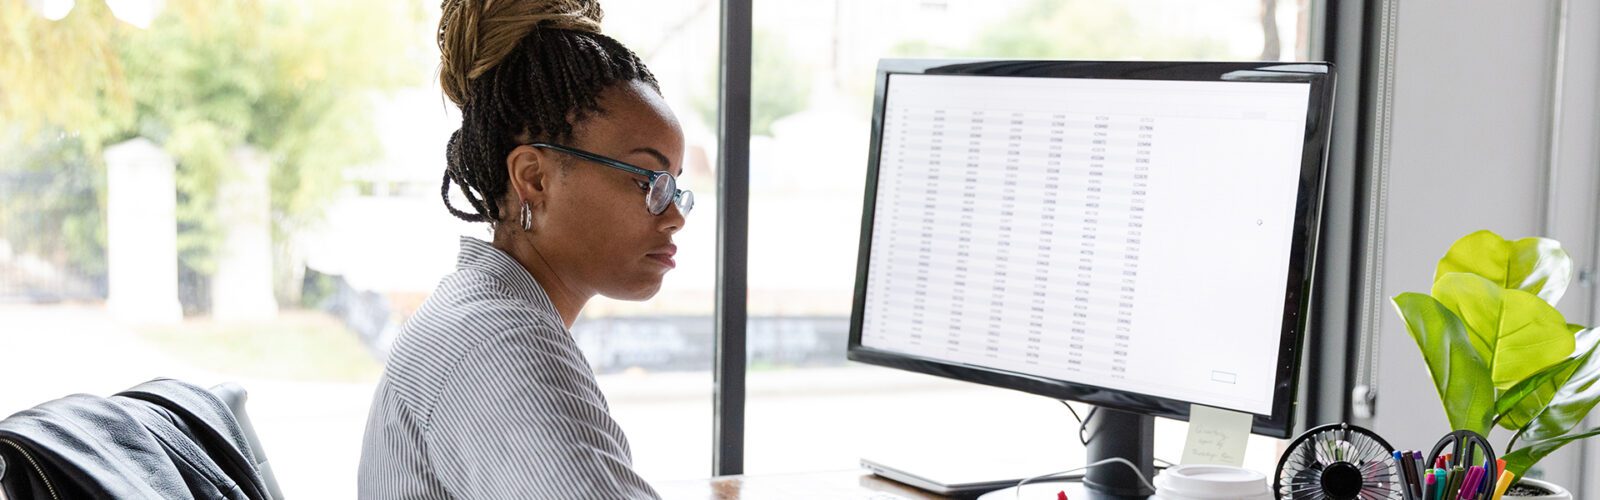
column 527, row 217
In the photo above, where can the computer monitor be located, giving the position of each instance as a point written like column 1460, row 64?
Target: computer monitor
column 1134, row 235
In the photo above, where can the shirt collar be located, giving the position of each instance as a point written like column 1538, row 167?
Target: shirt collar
column 479, row 255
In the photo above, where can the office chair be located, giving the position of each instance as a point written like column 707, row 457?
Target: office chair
column 86, row 434
column 234, row 396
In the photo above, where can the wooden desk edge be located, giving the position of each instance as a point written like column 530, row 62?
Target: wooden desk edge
column 836, row 484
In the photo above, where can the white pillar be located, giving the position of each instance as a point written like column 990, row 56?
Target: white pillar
column 241, row 290
column 141, row 234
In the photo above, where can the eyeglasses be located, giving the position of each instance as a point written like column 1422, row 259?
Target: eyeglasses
column 661, row 187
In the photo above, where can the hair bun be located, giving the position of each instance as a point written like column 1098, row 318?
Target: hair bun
column 475, row 35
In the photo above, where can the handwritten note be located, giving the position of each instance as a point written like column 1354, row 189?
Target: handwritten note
column 1216, row 436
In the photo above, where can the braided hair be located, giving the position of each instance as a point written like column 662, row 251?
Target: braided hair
column 520, row 70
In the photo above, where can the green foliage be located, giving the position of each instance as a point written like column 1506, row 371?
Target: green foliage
column 1498, row 350
column 322, row 349
column 778, row 86
column 1067, row 29
column 1574, row 392
column 1520, row 404
column 291, row 78
column 1458, row 370
column 1514, row 331
column 64, row 74
column 1055, row 29
column 1534, row 265
column 51, row 196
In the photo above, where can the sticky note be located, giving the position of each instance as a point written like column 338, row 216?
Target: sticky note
column 1216, row 436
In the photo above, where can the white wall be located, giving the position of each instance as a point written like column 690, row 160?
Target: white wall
column 1469, row 146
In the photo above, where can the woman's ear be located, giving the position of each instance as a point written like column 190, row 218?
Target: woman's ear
column 529, row 170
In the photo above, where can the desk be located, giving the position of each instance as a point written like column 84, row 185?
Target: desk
column 851, row 484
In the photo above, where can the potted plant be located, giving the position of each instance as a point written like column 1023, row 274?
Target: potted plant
column 1501, row 354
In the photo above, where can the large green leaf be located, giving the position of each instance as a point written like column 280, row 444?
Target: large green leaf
column 1534, row 265
column 1567, row 408
column 1518, row 406
column 1523, row 458
column 1459, row 374
column 1516, row 333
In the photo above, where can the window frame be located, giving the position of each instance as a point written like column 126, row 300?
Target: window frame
column 1338, row 35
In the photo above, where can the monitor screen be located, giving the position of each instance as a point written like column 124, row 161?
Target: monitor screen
column 1078, row 232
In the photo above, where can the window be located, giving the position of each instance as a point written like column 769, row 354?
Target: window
column 250, row 193
column 256, row 199
column 813, row 70
column 654, row 358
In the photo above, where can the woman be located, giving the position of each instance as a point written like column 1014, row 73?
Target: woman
column 567, row 150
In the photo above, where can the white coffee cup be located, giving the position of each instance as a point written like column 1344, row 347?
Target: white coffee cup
column 1211, row 482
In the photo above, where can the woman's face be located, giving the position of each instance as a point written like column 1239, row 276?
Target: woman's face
column 593, row 225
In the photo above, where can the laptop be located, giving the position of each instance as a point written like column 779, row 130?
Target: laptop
column 954, row 477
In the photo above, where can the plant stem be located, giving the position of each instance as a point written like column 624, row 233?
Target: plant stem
column 1513, row 442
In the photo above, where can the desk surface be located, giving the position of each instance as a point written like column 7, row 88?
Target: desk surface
column 852, row 484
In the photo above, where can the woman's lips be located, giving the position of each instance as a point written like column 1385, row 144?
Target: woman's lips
column 665, row 259
column 663, row 254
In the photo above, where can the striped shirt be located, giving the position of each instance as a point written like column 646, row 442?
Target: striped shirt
column 487, row 396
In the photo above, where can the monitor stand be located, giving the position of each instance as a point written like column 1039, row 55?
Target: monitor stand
column 1112, row 433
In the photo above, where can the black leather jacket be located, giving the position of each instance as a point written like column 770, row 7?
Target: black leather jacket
column 163, row 439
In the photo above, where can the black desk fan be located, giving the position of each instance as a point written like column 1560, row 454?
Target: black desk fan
column 1338, row 462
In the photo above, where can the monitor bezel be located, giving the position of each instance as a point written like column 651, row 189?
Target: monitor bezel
column 1308, row 207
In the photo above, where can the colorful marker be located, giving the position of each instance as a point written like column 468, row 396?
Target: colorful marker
column 1469, row 485
column 1506, row 478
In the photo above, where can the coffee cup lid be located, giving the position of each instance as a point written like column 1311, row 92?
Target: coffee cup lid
column 1210, row 482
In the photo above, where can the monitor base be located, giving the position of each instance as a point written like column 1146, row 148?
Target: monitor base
column 1112, row 434
column 1117, row 434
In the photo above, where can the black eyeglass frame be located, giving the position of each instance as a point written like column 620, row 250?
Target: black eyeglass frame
column 683, row 198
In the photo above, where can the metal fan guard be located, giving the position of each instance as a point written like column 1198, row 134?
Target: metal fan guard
column 1360, row 440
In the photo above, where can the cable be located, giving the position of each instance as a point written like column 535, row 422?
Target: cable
column 1120, row 460
column 1084, row 426
column 1074, row 412
column 1083, row 423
